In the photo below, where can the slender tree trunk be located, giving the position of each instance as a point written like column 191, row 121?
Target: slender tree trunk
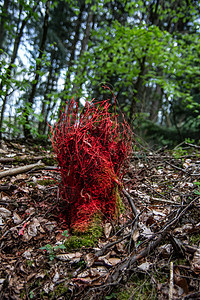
column 4, row 83
column 75, row 40
column 4, row 17
column 49, row 78
column 87, row 32
column 137, row 87
column 84, row 43
column 27, row 131
column 67, row 84
column 156, row 103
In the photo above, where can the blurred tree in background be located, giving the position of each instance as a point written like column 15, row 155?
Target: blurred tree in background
column 148, row 52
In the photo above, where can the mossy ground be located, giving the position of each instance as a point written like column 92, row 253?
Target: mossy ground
column 139, row 287
column 86, row 239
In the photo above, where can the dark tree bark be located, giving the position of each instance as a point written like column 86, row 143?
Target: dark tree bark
column 76, row 36
column 27, row 132
column 74, row 43
column 137, row 87
column 7, row 75
column 87, row 32
column 84, row 43
column 4, row 17
column 49, row 78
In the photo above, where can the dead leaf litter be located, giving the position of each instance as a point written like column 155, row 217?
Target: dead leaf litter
column 133, row 254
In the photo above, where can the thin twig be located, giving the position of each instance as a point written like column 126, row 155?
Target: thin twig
column 130, row 200
column 171, row 281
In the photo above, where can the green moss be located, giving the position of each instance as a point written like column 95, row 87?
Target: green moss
column 77, row 242
column 120, row 205
column 86, row 239
column 46, row 182
column 31, row 184
column 50, row 161
column 29, row 262
column 23, row 294
column 194, row 239
column 61, row 289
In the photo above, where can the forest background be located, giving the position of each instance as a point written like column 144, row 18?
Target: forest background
column 147, row 52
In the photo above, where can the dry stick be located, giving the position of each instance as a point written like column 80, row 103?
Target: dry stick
column 19, row 170
column 7, row 187
column 21, row 158
column 134, row 210
column 171, row 282
column 109, row 245
column 130, row 200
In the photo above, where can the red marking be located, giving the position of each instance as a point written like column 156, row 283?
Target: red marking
column 21, row 232
column 91, row 149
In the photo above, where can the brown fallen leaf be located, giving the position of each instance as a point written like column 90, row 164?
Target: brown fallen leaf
column 93, row 272
column 196, row 262
column 16, row 218
column 33, row 228
column 121, row 246
column 4, row 212
column 180, row 281
column 135, row 235
column 107, row 229
column 144, row 266
column 89, row 259
column 165, row 250
column 114, row 261
column 72, row 257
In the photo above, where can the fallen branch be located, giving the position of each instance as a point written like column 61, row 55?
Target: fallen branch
column 19, row 170
column 130, row 200
column 23, row 158
column 8, row 188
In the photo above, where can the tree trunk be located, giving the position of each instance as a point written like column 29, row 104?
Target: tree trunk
column 84, row 43
column 87, row 32
column 10, row 67
column 4, row 17
column 137, row 87
column 49, row 79
column 73, row 48
column 76, row 37
column 27, row 131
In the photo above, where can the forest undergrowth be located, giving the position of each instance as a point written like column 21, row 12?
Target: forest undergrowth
column 151, row 250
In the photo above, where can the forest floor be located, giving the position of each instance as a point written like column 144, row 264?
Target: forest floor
column 151, row 253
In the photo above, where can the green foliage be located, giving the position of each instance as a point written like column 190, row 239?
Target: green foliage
column 178, row 152
column 150, row 60
column 159, row 136
column 51, row 250
column 197, row 192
